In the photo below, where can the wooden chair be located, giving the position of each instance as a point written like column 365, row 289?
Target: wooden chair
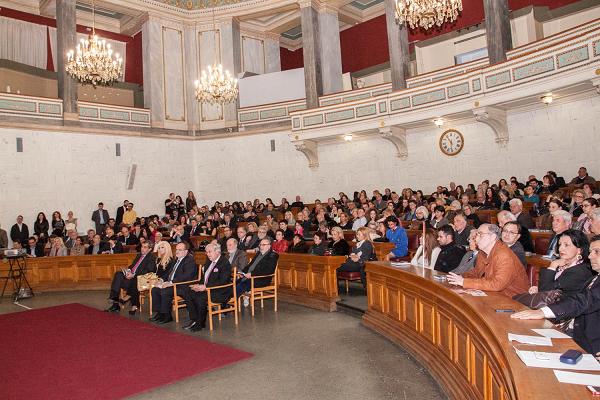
column 215, row 308
column 179, row 302
column 348, row 277
column 263, row 293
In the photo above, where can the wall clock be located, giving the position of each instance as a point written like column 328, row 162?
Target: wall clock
column 451, row 142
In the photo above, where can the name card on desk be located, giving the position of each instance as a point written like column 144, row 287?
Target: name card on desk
column 552, row 360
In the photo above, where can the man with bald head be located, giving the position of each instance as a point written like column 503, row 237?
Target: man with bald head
column 216, row 271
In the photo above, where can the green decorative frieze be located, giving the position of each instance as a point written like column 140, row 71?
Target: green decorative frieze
column 458, row 90
column 296, row 123
column 339, row 115
column 498, row 79
column 399, row 104
column 382, row 107
column 273, row 113
column 88, row 112
column 296, row 108
column 429, row 97
column 114, row 115
column 249, row 116
column 50, row 108
column 476, row 85
column 140, row 117
column 313, row 120
column 572, row 57
column 17, row 105
column 533, row 69
column 365, row 111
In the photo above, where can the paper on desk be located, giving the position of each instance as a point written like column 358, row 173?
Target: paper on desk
column 577, row 378
column 551, row 333
column 526, row 339
column 587, row 362
column 476, row 292
column 400, row 264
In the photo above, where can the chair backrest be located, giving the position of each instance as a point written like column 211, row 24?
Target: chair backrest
column 540, row 244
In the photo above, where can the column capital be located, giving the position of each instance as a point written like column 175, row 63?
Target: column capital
column 596, row 81
column 310, row 149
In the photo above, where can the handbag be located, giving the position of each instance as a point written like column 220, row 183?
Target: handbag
column 540, row 299
column 146, row 281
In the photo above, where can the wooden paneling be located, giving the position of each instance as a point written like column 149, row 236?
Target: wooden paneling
column 459, row 338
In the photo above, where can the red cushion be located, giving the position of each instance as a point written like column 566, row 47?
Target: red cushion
column 351, row 276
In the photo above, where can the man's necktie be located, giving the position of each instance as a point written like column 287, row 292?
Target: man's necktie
column 208, row 272
column 172, row 275
column 137, row 264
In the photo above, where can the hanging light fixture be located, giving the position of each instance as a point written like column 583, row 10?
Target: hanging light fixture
column 216, row 86
column 426, row 13
column 92, row 61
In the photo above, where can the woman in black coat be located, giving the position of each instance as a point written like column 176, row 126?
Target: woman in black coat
column 318, row 248
column 338, row 245
column 571, row 273
column 40, row 227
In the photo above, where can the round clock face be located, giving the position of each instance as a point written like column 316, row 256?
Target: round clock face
column 451, row 142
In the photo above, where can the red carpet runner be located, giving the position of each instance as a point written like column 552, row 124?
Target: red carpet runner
column 77, row 352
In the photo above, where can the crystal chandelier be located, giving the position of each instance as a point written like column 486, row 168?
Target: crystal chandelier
column 426, row 13
column 216, row 87
column 92, row 61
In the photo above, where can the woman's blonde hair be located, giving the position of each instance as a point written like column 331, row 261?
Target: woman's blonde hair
column 366, row 232
column 338, row 230
column 164, row 260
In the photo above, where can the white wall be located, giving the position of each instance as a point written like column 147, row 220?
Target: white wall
column 67, row 171
column 569, row 21
column 551, row 138
column 272, row 88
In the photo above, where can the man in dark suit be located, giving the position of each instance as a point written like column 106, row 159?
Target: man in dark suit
column 183, row 268
column 70, row 239
column 120, row 211
column 264, row 263
column 34, row 248
column 3, row 239
column 100, row 218
column 113, row 246
column 215, row 272
column 192, row 229
column 19, row 232
column 126, row 238
column 561, row 221
column 237, row 258
column 583, row 307
column 523, row 218
column 143, row 263
column 462, row 230
column 97, row 246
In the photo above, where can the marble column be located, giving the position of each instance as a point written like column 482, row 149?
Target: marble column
column 272, row 53
column 66, row 39
column 331, row 53
column 231, row 59
column 152, row 58
column 497, row 27
column 192, row 72
column 311, row 50
column 398, row 47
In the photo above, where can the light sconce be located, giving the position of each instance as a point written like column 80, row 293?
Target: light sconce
column 547, row 99
column 348, row 137
column 439, row 122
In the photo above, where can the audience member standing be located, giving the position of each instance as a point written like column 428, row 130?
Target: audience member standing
column 19, row 232
column 100, row 218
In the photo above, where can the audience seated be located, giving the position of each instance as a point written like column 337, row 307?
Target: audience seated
column 182, row 269
column 216, row 271
column 450, row 253
column 583, row 308
column 561, row 221
column 57, row 248
column 462, row 230
column 468, row 261
column 298, row 244
column 525, row 237
column 523, row 218
column 360, row 253
column 396, row 235
column 264, row 263
column 582, row 177
column 584, row 221
column 318, row 248
column 143, row 263
column 34, row 247
column 280, row 245
column 511, row 233
column 338, row 245
column 427, row 253
column 571, row 272
column 497, row 268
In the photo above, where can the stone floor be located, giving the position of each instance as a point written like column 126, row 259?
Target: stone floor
column 299, row 353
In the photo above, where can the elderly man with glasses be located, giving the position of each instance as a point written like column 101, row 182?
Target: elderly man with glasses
column 497, row 268
column 263, row 263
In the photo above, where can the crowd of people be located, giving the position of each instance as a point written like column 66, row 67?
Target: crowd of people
column 475, row 255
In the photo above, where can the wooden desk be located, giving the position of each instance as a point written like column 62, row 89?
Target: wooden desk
column 460, row 339
column 309, row 280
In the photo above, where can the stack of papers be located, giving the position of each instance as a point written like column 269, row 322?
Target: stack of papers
column 577, row 378
column 552, row 360
column 551, row 333
column 534, row 340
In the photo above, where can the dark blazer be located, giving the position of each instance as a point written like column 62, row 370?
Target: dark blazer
column 250, row 241
column 300, row 248
column 517, row 248
column 96, row 219
column 525, row 220
column 38, row 251
column 266, row 266
column 131, row 239
column 572, row 281
column 449, row 257
column 119, row 218
column 117, row 249
column 462, row 239
column 317, row 249
column 103, row 247
column 186, row 271
column 220, row 275
column 148, row 264
column 196, row 230
column 526, row 240
column 41, row 228
column 19, row 235
column 585, row 308
column 339, row 248
column 240, row 260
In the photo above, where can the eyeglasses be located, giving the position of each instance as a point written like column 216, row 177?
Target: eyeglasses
column 510, row 232
column 483, row 233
